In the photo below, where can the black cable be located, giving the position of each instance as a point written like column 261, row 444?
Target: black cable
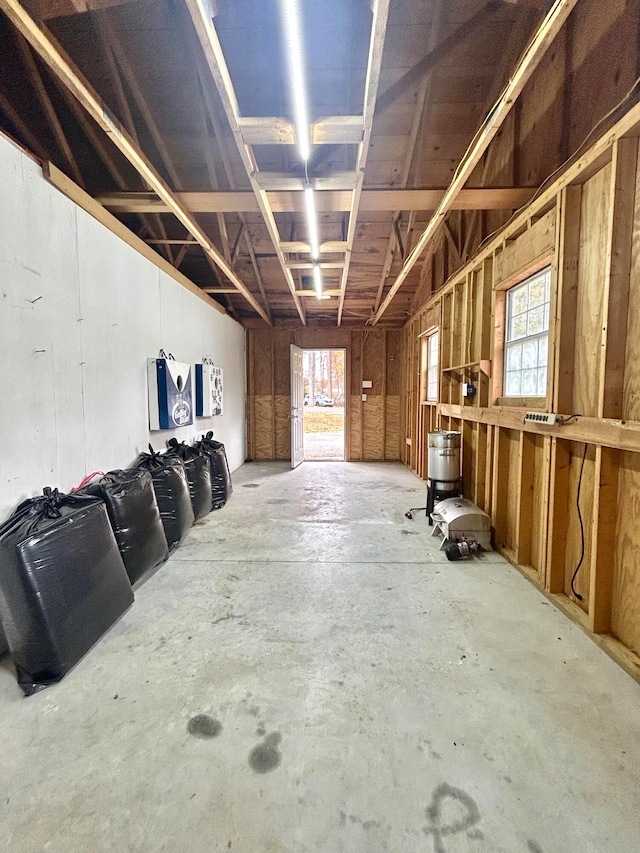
column 575, row 574
column 566, row 420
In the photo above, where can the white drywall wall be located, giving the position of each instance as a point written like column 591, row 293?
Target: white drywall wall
column 80, row 313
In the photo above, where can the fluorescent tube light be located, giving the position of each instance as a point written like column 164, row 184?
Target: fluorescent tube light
column 312, row 222
column 293, row 38
column 317, row 280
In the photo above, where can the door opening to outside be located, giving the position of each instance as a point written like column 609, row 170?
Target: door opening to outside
column 324, row 405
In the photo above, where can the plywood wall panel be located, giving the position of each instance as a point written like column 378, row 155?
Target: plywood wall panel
column 262, row 366
column 392, row 428
column 373, row 428
column 625, row 611
column 573, row 537
column 282, row 417
column 591, row 269
column 264, row 447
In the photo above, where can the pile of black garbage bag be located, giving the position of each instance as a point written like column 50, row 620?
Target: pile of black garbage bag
column 69, row 562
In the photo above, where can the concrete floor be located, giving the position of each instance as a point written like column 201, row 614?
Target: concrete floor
column 308, row 674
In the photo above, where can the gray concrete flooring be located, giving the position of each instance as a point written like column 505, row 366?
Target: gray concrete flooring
column 308, row 673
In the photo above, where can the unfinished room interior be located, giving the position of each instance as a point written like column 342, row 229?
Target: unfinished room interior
column 420, row 634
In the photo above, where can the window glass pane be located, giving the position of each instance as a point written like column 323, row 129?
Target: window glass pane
column 543, row 351
column 530, row 354
column 513, row 383
column 538, row 292
column 514, row 357
column 529, row 382
column 519, row 328
column 519, row 301
column 536, row 321
column 527, row 323
column 542, row 381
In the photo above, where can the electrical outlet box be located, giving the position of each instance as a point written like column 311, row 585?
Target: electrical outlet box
column 364, row 398
column 548, row 418
column 367, row 383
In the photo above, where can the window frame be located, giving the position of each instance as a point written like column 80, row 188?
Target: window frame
column 425, row 339
column 430, row 366
column 501, row 289
column 511, row 343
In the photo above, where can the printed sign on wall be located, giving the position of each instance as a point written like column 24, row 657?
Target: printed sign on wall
column 209, row 390
column 170, row 393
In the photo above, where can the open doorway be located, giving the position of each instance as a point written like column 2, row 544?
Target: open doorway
column 324, row 404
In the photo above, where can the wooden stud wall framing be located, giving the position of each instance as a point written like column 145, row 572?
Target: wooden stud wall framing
column 372, row 426
column 586, row 226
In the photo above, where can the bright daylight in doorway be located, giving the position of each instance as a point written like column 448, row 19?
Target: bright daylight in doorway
column 324, row 399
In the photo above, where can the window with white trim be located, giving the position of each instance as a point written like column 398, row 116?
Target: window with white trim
column 433, row 344
column 526, row 349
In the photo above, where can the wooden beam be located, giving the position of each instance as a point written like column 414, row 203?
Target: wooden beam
column 546, row 33
column 336, row 130
column 372, row 201
column 212, row 49
column 52, row 54
column 207, row 97
column 374, row 65
column 28, row 138
column 300, row 247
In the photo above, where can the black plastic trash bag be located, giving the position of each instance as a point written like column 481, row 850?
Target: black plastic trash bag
column 135, row 519
column 221, row 488
column 4, row 646
column 62, row 584
column 172, row 494
column 198, row 472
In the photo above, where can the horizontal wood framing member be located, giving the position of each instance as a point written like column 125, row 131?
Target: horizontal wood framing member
column 327, row 201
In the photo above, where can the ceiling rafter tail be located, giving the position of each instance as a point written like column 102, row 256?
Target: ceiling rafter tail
column 374, row 65
column 53, row 55
column 529, row 61
column 45, row 101
column 210, row 45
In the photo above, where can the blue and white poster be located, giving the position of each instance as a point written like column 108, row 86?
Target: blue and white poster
column 170, row 393
column 209, row 390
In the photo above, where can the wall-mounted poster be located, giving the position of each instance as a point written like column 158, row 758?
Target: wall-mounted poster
column 208, row 389
column 170, row 392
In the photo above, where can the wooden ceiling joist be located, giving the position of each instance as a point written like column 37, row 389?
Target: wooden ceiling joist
column 374, row 64
column 500, row 198
column 335, row 130
column 52, row 54
column 216, row 63
column 544, row 36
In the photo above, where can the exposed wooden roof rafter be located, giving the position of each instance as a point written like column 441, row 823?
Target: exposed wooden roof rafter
column 212, row 49
column 533, row 54
column 53, row 55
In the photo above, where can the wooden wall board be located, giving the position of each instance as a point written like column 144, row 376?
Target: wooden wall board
column 392, row 421
column 282, row 420
column 589, row 314
column 631, row 387
column 373, row 449
column 572, row 534
column 625, row 612
column 527, row 253
column 264, row 442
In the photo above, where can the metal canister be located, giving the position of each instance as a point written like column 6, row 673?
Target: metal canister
column 444, row 459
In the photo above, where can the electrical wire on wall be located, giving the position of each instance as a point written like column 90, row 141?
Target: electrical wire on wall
column 581, row 560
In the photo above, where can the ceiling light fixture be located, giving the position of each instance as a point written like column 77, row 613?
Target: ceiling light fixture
column 312, row 221
column 293, row 38
column 317, row 280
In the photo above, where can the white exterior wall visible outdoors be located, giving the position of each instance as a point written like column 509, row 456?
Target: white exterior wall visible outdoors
column 80, row 312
